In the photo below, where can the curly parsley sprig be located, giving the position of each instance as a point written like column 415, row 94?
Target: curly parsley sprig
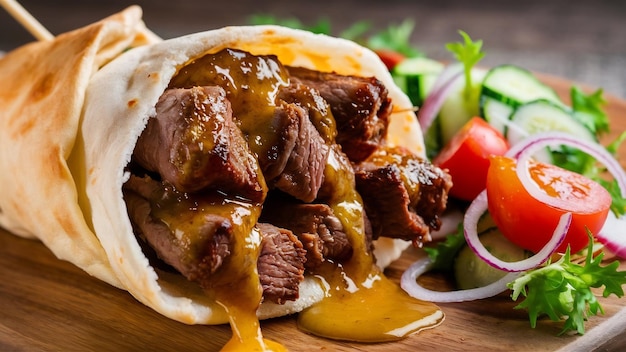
column 562, row 290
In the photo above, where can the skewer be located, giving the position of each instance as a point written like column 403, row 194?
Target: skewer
column 26, row 19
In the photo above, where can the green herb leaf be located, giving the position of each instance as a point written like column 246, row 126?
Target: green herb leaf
column 469, row 54
column 356, row 32
column 588, row 109
column 618, row 203
column 444, row 253
column 322, row 26
column 262, row 19
column 614, row 146
column 396, row 38
column 562, row 290
column 618, row 206
column 582, row 163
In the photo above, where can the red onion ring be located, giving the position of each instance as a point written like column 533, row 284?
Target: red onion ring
column 438, row 94
column 470, row 224
column 612, row 235
column 408, row 282
column 523, row 151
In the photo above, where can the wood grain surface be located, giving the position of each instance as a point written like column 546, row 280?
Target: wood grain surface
column 50, row 305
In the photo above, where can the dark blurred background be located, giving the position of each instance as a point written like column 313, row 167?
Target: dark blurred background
column 584, row 41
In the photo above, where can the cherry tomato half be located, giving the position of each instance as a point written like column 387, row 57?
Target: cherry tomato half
column 389, row 57
column 466, row 157
column 528, row 222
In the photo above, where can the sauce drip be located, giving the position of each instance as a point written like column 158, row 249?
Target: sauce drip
column 361, row 304
column 375, row 310
column 251, row 83
column 235, row 285
column 320, row 113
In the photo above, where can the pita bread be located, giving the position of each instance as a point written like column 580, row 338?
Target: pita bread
column 41, row 100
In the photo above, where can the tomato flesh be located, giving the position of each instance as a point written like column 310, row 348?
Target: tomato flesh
column 389, row 57
column 529, row 223
column 466, row 157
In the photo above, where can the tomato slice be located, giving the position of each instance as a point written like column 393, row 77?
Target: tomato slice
column 529, row 223
column 389, row 57
column 466, row 157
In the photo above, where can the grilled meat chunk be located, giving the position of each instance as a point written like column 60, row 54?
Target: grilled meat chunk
column 196, row 255
column 315, row 224
column 403, row 194
column 280, row 264
column 194, row 144
column 304, row 153
column 359, row 105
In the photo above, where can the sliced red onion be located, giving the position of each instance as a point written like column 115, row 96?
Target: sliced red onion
column 613, row 235
column 523, row 151
column 438, row 94
column 470, row 224
column 408, row 282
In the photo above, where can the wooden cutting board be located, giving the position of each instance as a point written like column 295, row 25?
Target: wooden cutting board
column 50, row 305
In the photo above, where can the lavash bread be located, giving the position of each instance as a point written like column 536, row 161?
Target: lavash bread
column 42, row 94
column 69, row 148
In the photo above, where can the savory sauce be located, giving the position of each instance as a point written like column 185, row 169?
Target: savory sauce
column 375, row 310
column 251, row 84
column 361, row 304
column 235, row 285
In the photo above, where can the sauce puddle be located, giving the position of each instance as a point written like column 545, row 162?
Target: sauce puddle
column 361, row 304
column 378, row 310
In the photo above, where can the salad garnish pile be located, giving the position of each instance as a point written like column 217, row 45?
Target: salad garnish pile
column 543, row 201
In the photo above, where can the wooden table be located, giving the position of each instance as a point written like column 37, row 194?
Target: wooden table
column 49, row 305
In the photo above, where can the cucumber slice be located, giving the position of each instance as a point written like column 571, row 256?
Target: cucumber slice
column 471, row 272
column 543, row 115
column 416, row 76
column 513, row 85
column 457, row 110
column 496, row 113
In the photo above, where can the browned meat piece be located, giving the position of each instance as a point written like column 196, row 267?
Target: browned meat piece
column 196, row 254
column 281, row 136
column 359, row 105
column 319, row 230
column 403, row 195
column 199, row 250
column 280, row 264
column 194, row 144
column 304, row 153
column 314, row 104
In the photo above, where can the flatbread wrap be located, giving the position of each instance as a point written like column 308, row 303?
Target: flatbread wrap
column 237, row 174
column 41, row 98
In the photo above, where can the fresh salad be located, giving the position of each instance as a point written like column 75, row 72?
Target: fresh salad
column 537, row 202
